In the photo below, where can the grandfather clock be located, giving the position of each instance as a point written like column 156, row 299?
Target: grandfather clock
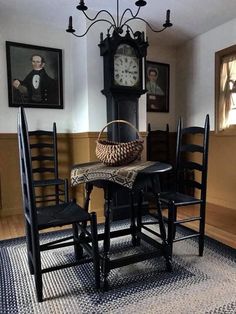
column 124, row 60
column 124, row 69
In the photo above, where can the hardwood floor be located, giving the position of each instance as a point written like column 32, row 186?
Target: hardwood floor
column 220, row 224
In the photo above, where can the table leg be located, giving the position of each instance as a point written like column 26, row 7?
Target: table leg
column 132, row 222
column 166, row 248
column 88, row 191
column 106, row 243
column 139, row 214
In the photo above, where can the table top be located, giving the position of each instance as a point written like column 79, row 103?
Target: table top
column 122, row 175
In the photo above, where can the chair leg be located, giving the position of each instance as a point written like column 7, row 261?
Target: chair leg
column 96, row 259
column 29, row 247
column 171, row 217
column 202, row 228
column 77, row 248
column 37, row 267
column 174, row 225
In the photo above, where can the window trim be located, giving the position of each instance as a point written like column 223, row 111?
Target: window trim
column 219, row 55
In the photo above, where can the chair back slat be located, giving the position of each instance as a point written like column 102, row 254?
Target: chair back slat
column 192, row 184
column 190, row 165
column 191, row 148
column 41, row 145
column 40, row 133
column 43, row 170
column 193, row 130
column 42, row 158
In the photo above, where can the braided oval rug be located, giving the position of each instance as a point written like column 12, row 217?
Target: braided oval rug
column 197, row 284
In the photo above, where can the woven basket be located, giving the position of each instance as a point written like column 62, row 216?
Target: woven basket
column 118, row 154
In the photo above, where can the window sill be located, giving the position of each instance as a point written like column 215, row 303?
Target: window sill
column 231, row 131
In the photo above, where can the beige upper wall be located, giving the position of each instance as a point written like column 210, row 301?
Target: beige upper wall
column 195, row 82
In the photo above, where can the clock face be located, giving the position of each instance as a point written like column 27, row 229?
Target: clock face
column 126, row 67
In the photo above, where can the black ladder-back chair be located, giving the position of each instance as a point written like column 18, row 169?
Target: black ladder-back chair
column 158, row 144
column 63, row 213
column 44, row 161
column 189, row 157
column 158, row 149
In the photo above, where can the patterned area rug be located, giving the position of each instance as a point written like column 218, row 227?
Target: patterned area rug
column 197, row 284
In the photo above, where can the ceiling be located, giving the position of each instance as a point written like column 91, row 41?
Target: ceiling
column 190, row 17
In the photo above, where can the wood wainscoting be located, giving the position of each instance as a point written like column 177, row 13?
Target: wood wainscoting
column 10, row 197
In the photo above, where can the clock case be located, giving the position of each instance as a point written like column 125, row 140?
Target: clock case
column 122, row 101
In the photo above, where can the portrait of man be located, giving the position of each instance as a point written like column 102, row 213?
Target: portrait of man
column 157, row 85
column 34, row 76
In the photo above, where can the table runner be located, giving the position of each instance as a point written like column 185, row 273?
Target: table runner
column 123, row 175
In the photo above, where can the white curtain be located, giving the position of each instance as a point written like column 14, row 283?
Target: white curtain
column 227, row 75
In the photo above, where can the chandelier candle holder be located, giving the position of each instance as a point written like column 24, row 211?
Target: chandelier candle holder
column 118, row 24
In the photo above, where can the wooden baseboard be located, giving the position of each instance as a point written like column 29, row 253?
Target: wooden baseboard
column 5, row 212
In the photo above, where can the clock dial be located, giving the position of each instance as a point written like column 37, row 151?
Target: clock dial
column 126, row 70
column 126, row 66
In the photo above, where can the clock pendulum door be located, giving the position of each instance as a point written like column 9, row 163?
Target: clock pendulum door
column 121, row 107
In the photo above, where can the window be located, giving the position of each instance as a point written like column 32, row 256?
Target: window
column 225, row 89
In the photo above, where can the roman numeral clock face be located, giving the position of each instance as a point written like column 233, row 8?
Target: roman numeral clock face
column 126, row 67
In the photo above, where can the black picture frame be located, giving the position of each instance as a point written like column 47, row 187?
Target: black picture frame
column 157, row 85
column 34, row 75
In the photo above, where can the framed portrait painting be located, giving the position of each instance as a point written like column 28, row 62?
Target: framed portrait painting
column 157, row 85
column 34, row 76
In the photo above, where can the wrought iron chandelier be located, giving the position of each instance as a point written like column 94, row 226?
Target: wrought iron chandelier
column 119, row 23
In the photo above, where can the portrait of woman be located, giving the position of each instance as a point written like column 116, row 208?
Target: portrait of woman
column 157, row 85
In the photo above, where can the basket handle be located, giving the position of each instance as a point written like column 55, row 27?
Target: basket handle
column 122, row 121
